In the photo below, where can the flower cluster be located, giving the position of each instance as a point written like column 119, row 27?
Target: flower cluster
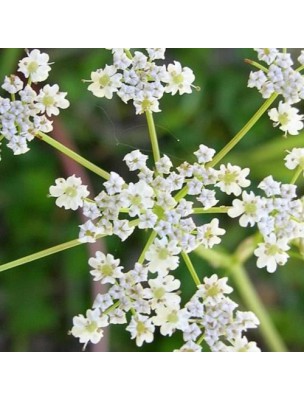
column 157, row 201
column 281, row 78
column 155, row 302
column 22, row 118
column 278, row 216
column 154, row 202
column 138, row 78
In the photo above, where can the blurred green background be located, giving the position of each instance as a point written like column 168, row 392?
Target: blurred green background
column 38, row 300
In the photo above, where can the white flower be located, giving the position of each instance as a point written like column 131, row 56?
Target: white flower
column 18, row 144
column 270, row 186
column 122, row 229
column 88, row 329
column 267, row 55
column 105, row 268
column 140, row 197
column 232, row 178
column 163, row 165
column 179, row 79
column 295, row 158
column 105, row 82
column 35, row 66
column 171, row 318
column 301, row 58
column 241, row 345
column 141, row 328
column 162, row 256
column 256, row 79
column 70, row 192
column 146, row 102
column 213, row 289
column 272, row 252
column 89, row 232
column 204, row 154
column 190, row 347
column 135, row 160
column 207, row 198
column 103, row 301
column 250, row 208
column 156, row 53
column 50, row 100
column 114, row 183
column 160, row 291
column 287, row 117
column 207, row 234
column 12, row 84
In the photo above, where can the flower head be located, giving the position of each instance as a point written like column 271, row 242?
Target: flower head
column 70, row 192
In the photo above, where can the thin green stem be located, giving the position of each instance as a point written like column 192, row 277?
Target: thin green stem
column 253, row 302
column 212, row 210
column 181, row 194
column 229, row 146
column 40, row 254
column 200, row 339
column 147, row 245
column 112, row 308
column 298, row 256
column 191, row 268
column 74, row 156
column 256, row 64
column 299, row 69
column 153, row 136
column 296, row 175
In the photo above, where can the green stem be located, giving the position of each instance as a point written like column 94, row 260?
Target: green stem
column 256, row 64
column 74, row 156
column 147, row 245
column 181, row 194
column 200, row 339
column 153, row 136
column 229, row 146
column 40, row 254
column 112, row 308
column 191, row 268
column 212, row 210
column 296, row 175
column 251, row 298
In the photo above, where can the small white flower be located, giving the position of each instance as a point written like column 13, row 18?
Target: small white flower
column 135, row 160
column 213, row 289
column 267, row 55
column 301, row 58
column 160, row 291
column 141, row 329
column 122, row 229
column 295, row 158
column 287, row 117
column 70, row 192
column 250, row 209
column 171, row 318
column 163, row 165
column 207, row 234
column 114, row 184
column 207, row 198
column 88, row 329
column 232, row 178
column 241, row 345
column 156, row 53
column 105, row 268
column 89, row 232
column 105, row 82
column 103, row 301
column 270, row 186
column 204, row 154
column 162, row 256
column 190, row 347
column 272, row 252
column 256, row 79
column 12, row 84
column 145, row 102
column 50, row 100
column 35, row 66
column 179, row 79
